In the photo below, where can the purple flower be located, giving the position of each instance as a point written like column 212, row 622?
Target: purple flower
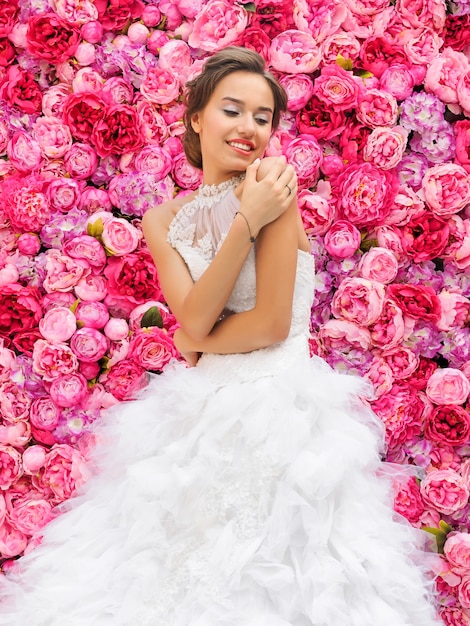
column 425, row 340
column 412, row 168
column 62, row 227
column 437, row 145
column 422, row 112
column 456, row 346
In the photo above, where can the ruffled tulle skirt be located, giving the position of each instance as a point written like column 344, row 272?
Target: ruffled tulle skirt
column 241, row 492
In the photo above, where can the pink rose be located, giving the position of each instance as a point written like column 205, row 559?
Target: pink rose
column 316, row 211
column 401, row 411
column 340, row 43
column 299, row 89
column 342, row 335
column 29, row 515
column 402, row 361
column 457, row 550
column 81, row 161
column 364, row 193
column 63, row 194
column 444, row 73
column 29, row 244
column 92, row 31
column 380, row 375
column 462, row 141
column 184, row 174
column 58, row 325
column 377, row 108
column 62, row 272
column 417, row 301
column 152, row 348
column 342, row 239
column 87, row 248
column 305, row 155
column 321, row 19
column 44, row 414
column 51, row 360
column 69, row 389
column 358, row 300
column 448, row 386
column 124, row 379
column 11, row 467
column 119, row 236
column 337, row 88
column 175, row 57
column 385, row 147
column 160, row 86
column 88, row 344
column 422, row 47
column 455, row 310
column 294, row 52
column 454, row 616
column 25, row 202
column 397, row 80
column 217, row 25
column 423, row 13
column 117, row 131
column 53, row 137
column 24, row 152
column 408, row 501
column 12, row 541
column 91, row 288
column 65, row 471
column 34, row 458
column 379, row 264
column 446, row 188
column 459, row 248
column 15, row 402
column 445, row 491
column 92, row 314
column 116, row 329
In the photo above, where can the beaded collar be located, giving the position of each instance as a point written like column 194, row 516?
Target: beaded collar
column 210, row 191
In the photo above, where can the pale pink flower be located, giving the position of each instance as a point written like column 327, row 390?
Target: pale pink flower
column 33, row 459
column 63, row 194
column 316, row 211
column 76, row 11
column 119, row 236
column 138, row 33
column 398, row 80
column 385, row 147
column 320, row 19
column 446, row 188
column 294, row 52
column 402, row 361
column 81, row 161
column 343, row 335
column 299, row 89
column 175, row 57
column 11, row 466
column 423, row 46
column 337, row 88
column 65, row 471
column 358, row 300
column 53, row 137
column 52, row 360
column 92, row 314
column 379, row 264
column 380, row 375
column 24, row 152
column 305, row 154
column 62, row 272
column 459, row 249
column 443, row 74
column 388, row 331
column 68, row 390
column 406, row 205
column 87, row 80
column 218, row 24
column 428, row 14
column 448, row 386
column 89, row 344
column 12, row 541
column 445, row 491
column 116, row 329
column 463, row 92
column 15, row 403
column 91, row 288
column 44, row 414
column 340, row 44
column 58, row 324
column 455, row 310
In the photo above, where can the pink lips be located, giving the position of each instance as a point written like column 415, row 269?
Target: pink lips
column 243, row 142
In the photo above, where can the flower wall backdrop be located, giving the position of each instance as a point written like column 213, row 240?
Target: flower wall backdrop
column 378, row 130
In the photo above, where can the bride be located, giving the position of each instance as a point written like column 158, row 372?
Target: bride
column 245, row 490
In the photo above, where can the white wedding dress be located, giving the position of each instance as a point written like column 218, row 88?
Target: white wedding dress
column 241, row 492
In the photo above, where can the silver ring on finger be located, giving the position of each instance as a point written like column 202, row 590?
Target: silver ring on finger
column 290, row 190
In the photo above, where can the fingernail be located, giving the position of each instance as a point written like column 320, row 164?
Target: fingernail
column 256, row 161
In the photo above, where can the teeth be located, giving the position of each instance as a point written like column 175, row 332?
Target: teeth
column 240, row 146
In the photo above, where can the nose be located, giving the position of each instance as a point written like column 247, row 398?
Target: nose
column 247, row 125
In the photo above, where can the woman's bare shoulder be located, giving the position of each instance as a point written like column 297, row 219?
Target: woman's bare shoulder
column 159, row 217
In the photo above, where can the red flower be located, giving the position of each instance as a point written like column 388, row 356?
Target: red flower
column 52, row 38
column 273, row 16
column 378, row 53
column 448, row 424
column 115, row 14
column 352, row 140
column 20, row 308
column 8, row 13
column 256, row 39
column 457, row 32
column 425, row 236
column 7, row 53
column 408, row 501
column 319, row 120
column 81, row 112
column 124, row 379
column 118, row 131
column 419, row 378
column 133, row 277
column 417, row 301
column 20, row 90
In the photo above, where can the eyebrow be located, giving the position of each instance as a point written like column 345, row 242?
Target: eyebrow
column 242, row 102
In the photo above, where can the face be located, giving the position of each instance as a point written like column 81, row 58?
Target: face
column 235, row 125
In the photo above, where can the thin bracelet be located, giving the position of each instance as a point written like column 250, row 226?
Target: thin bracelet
column 252, row 239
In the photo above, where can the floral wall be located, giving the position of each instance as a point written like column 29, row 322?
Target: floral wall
column 378, row 130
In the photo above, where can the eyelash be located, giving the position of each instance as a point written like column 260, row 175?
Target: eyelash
column 261, row 120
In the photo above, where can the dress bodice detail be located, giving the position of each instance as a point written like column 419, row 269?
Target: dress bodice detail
column 198, row 230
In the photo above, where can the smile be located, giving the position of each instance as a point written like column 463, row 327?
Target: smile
column 246, row 147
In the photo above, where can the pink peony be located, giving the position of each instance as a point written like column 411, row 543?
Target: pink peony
column 63, row 194
column 89, row 344
column 24, row 152
column 119, row 236
column 448, row 386
column 377, row 108
column 218, row 24
column 68, row 390
column 446, row 188
column 11, row 467
column 401, row 411
column 58, row 325
column 25, row 202
column 299, row 89
column 125, row 379
column 62, row 272
column 385, row 147
column 429, row 14
column 358, row 300
column 342, row 239
column 445, row 491
column 152, row 348
column 44, row 414
column 20, row 308
column 160, row 86
column 408, row 501
column 444, row 73
column 81, row 161
column 455, row 310
column 92, row 314
column 65, row 470
column 305, row 154
column 337, row 88
column 51, row 360
column 379, row 264
column 53, row 137
column 294, row 52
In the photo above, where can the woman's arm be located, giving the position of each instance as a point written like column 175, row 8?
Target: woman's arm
column 197, row 306
column 269, row 321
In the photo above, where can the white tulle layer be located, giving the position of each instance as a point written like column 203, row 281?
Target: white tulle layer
column 228, row 501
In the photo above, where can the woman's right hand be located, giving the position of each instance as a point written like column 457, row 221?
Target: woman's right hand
column 270, row 186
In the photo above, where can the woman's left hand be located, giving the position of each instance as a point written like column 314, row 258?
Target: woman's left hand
column 180, row 340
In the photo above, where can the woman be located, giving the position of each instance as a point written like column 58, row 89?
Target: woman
column 242, row 491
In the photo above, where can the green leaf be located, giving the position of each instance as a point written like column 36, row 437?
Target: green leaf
column 440, row 534
column 346, row 64
column 250, row 6
column 152, row 317
column 96, row 229
column 363, row 74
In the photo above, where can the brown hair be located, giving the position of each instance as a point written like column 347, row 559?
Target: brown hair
column 200, row 89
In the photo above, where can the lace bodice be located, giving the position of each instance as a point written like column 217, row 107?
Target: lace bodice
column 197, row 232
